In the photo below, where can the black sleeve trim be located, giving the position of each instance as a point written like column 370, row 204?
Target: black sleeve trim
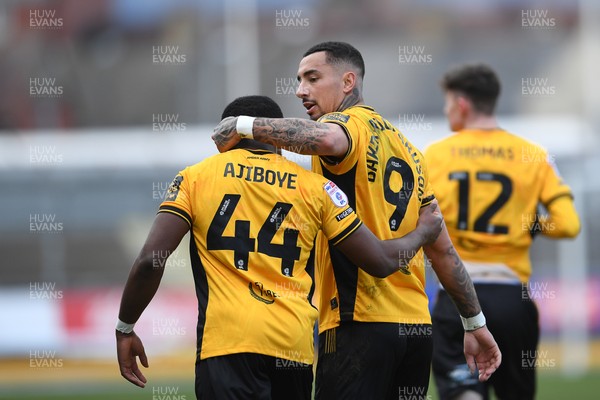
column 427, row 200
column 351, row 228
column 558, row 196
column 177, row 211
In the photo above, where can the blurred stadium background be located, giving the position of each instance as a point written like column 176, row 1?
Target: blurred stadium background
column 103, row 101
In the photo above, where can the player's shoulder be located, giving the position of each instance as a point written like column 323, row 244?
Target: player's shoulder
column 525, row 143
column 357, row 112
column 440, row 144
column 200, row 165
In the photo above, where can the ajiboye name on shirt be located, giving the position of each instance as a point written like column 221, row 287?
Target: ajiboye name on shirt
column 260, row 175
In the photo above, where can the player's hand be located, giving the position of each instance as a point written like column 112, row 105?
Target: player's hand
column 129, row 346
column 225, row 135
column 482, row 352
column 430, row 223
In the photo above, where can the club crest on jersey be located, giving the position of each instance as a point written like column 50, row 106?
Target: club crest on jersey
column 336, row 194
column 173, row 190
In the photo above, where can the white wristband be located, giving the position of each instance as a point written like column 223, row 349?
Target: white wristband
column 472, row 323
column 244, row 127
column 123, row 327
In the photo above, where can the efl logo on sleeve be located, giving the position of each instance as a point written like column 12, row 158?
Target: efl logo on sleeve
column 336, row 194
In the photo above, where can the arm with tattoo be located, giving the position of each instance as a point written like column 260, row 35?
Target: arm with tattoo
column 293, row 134
column 452, row 274
column 480, row 349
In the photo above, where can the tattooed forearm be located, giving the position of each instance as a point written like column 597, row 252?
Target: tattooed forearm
column 225, row 136
column 462, row 290
column 351, row 99
column 293, row 134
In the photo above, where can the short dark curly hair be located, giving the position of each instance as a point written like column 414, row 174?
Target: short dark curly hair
column 253, row 106
column 478, row 82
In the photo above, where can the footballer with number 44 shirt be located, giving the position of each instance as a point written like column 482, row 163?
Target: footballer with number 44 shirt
column 254, row 218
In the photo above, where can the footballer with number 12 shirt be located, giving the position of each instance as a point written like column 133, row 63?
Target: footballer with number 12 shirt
column 489, row 183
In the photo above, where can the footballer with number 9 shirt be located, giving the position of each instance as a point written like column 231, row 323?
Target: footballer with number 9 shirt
column 375, row 337
column 254, row 218
column 489, row 183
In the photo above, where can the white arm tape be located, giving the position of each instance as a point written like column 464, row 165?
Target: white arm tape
column 123, row 327
column 244, row 126
column 472, row 323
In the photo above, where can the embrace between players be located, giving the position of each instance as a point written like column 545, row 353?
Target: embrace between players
column 275, row 247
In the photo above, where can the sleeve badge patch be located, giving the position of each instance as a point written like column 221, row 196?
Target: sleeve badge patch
column 335, row 117
column 173, row 190
column 336, row 194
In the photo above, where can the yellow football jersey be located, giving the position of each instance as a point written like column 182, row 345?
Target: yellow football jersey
column 387, row 184
column 488, row 184
column 254, row 217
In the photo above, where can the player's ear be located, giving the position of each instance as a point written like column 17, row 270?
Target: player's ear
column 464, row 104
column 349, row 80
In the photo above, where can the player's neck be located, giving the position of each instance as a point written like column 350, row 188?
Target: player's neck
column 254, row 145
column 353, row 98
column 482, row 122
